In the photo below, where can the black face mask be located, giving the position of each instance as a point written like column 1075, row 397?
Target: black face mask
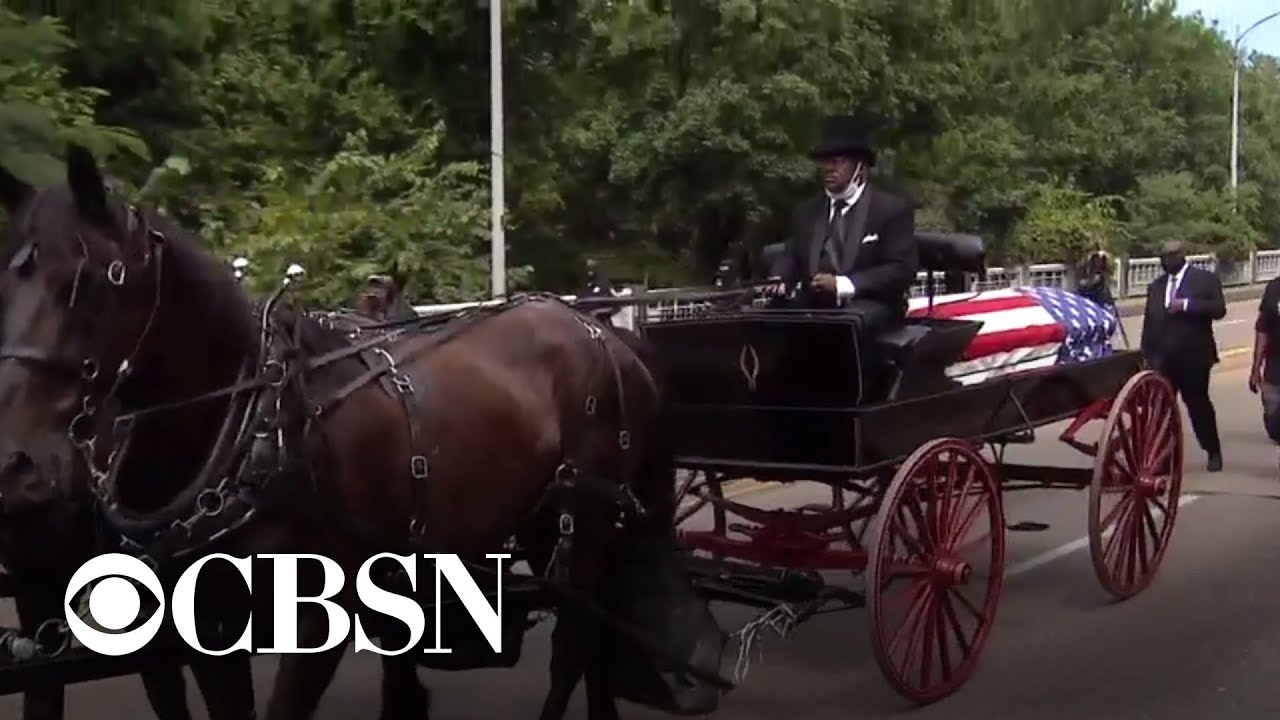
column 1172, row 263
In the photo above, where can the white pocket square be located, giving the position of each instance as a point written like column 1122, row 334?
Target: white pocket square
column 870, row 239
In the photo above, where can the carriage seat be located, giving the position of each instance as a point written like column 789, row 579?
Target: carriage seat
column 956, row 252
column 918, row 353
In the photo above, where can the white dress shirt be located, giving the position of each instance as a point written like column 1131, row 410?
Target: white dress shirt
column 844, row 286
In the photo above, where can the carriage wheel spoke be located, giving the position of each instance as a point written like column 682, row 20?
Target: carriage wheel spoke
column 911, row 621
column 1121, row 473
column 951, row 536
column 918, row 515
column 899, row 531
column 966, row 524
column 927, row 635
column 1158, row 442
column 1149, row 524
column 1121, row 505
column 1163, row 454
column 1117, row 534
column 953, row 621
column 1127, row 433
column 945, row 505
column 943, row 637
column 1125, row 548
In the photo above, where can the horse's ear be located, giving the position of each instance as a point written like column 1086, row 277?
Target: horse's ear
column 87, row 186
column 13, row 192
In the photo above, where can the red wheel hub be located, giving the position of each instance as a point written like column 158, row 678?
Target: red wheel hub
column 1149, row 487
column 951, row 571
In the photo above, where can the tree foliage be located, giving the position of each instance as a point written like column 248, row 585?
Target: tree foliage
column 658, row 136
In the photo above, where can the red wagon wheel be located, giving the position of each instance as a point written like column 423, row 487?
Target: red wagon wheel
column 1137, row 483
column 929, row 631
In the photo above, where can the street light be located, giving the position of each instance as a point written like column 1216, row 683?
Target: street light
column 1235, row 103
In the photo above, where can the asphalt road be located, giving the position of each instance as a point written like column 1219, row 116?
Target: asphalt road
column 1203, row 641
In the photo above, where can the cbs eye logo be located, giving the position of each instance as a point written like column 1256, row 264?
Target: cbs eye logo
column 114, row 604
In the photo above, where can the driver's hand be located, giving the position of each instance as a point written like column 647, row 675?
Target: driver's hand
column 824, row 282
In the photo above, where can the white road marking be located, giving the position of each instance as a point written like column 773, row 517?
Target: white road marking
column 1048, row 556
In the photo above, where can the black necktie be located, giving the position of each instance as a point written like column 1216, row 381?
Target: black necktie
column 831, row 246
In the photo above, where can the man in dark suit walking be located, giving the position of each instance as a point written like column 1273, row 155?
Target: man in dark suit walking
column 1178, row 342
column 854, row 246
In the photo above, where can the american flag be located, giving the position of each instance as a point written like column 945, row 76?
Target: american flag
column 1024, row 327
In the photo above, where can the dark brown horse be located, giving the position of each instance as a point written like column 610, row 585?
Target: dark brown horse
column 247, row 430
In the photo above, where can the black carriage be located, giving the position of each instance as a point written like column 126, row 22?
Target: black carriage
column 777, row 395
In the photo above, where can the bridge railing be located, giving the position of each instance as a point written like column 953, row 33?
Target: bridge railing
column 1129, row 278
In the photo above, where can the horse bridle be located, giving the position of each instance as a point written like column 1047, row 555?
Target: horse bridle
column 81, row 430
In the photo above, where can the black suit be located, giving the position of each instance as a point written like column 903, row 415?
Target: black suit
column 1181, row 346
column 877, row 252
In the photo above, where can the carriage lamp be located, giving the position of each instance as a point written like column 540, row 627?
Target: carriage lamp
column 294, row 270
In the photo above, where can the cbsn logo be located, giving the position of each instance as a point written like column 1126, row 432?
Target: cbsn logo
column 114, row 603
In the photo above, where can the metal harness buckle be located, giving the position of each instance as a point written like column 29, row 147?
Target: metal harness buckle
column 418, row 466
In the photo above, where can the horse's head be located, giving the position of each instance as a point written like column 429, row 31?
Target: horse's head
column 78, row 293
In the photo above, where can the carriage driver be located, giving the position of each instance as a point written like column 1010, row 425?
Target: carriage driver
column 853, row 246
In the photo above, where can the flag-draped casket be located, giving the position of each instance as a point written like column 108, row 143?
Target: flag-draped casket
column 1023, row 328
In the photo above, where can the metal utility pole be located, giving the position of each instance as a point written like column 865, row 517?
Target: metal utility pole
column 497, row 161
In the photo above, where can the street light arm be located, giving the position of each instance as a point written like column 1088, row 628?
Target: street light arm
column 1235, row 102
column 1254, row 26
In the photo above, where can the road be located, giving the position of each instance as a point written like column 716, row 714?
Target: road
column 1203, row 641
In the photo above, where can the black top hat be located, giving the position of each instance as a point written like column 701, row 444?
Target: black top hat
column 845, row 135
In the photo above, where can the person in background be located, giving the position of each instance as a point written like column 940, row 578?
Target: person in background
column 1095, row 281
column 1178, row 342
column 1264, row 378
column 598, row 286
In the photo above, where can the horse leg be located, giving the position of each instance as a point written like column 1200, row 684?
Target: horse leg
column 226, row 683
column 40, row 701
column 303, row 679
column 576, row 642
column 404, row 697
column 568, row 665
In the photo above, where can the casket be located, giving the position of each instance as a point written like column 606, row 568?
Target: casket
column 1022, row 328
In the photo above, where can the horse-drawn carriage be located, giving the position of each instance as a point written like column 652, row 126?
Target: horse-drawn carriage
column 218, row 452
column 780, row 395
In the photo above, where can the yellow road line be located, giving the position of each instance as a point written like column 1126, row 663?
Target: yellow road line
column 745, row 487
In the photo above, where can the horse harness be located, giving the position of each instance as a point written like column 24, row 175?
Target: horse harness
column 270, row 440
